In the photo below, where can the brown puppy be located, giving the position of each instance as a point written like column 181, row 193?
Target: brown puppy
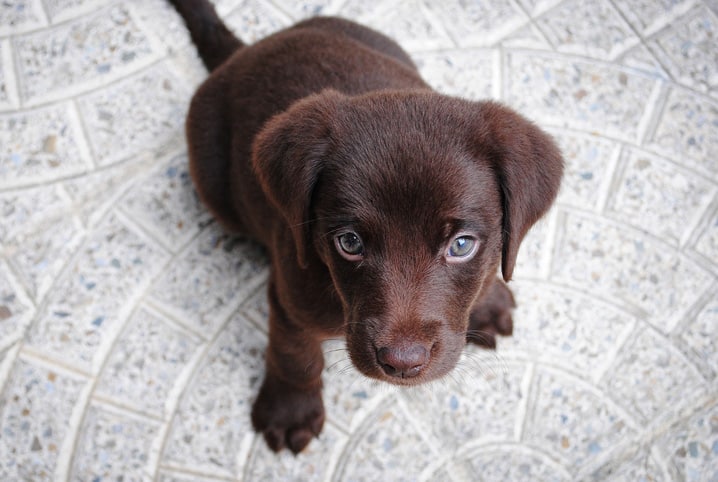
column 386, row 208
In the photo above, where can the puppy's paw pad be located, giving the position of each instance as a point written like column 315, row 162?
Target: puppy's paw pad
column 288, row 418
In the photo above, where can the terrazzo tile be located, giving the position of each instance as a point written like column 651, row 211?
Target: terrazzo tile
column 707, row 241
column 688, row 50
column 94, row 194
column 659, row 197
column 649, row 16
column 650, row 375
column 314, row 464
column 494, row 464
column 35, row 407
column 209, row 279
column 478, row 24
column 593, row 29
column 572, row 421
column 536, row 8
column 307, row 8
column 564, row 92
column 146, row 363
column 17, row 16
column 551, row 327
column 165, row 203
column 95, row 294
column 347, row 393
column 529, row 37
column 640, row 58
column 688, row 130
column 628, row 266
column 386, row 447
column 692, row 447
column 38, row 235
column 410, row 24
column 462, row 73
column 479, row 400
column 16, row 311
column 120, row 120
column 166, row 475
column 76, row 56
column 533, row 255
column 700, row 336
column 113, row 445
column 211, row 428
column 41, row 145
column 641, row 467
column 62, row 10
column 587, row 171
column 7, row 81
column 252, row 20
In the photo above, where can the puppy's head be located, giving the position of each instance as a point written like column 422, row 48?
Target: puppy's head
column 411, row 200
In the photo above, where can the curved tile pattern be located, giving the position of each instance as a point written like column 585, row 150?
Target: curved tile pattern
column 132, row 329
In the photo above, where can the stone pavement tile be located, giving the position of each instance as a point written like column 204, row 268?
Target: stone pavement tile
column 16, row 311
column 410, row 23
column 62, row 10
column 95, row 294
column 252, row 20
column 628, row 266
column 700, row 337
column 564, row 92
column 41, row 145
column 165, row 204
column 478, row 401
column 707, row 242
column 38, row 235
column 659, row 196
column 642, row 467
column 36, row 406
column 8, row 91
column 122, row 119
column 113, row 444
column 307, row 8
column 691, row 447
column 572, row 421
column 649, row 16
column 467, row 73
column 650, row 378
column 211, row 430
column 589, row 159
column 551, row 326
column 688, row 50
column 533, row 257
column 688, row 130
column 207, row 281
column 514, row 463
column 18, row 16
column 593, row 29
column 348, row 395
column 146, row 363
column 640, row 58
column 388, row 446
column 478, row 24
column 314, row 464
column 76, row 56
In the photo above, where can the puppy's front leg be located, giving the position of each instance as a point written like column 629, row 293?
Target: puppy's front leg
column 289, row 410
column 491, row 315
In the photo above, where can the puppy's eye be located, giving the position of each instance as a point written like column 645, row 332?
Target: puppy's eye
column 350, row 246
column 462, row 248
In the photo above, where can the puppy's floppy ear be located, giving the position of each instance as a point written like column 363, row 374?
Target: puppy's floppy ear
column 528, row 167
column 287, row 156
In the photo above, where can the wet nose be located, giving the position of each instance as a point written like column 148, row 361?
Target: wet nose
column 402, row 361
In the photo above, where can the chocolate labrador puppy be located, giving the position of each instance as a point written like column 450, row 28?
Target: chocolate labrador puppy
column 386, row 208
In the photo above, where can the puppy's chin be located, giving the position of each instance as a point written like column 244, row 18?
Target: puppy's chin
column 443, row 357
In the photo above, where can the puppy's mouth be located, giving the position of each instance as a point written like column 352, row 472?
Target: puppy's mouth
column 405, row 362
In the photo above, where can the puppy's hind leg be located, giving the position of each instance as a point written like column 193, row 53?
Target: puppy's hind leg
column 491, row 316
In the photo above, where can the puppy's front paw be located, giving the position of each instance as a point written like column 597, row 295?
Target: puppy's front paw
column 491, row 316
column 287, row 417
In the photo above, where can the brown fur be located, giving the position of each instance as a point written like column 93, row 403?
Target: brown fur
column 327, row 127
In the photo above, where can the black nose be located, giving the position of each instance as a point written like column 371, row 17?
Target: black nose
column 402, row 361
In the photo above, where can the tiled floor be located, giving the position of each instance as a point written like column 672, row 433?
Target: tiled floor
column 132, row 328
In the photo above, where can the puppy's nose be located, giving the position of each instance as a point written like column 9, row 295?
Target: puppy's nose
column 402, row 361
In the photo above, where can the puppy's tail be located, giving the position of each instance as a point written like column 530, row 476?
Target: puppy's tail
column 214, row 41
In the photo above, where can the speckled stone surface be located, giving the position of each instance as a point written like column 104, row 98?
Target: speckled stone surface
column 132, row 329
